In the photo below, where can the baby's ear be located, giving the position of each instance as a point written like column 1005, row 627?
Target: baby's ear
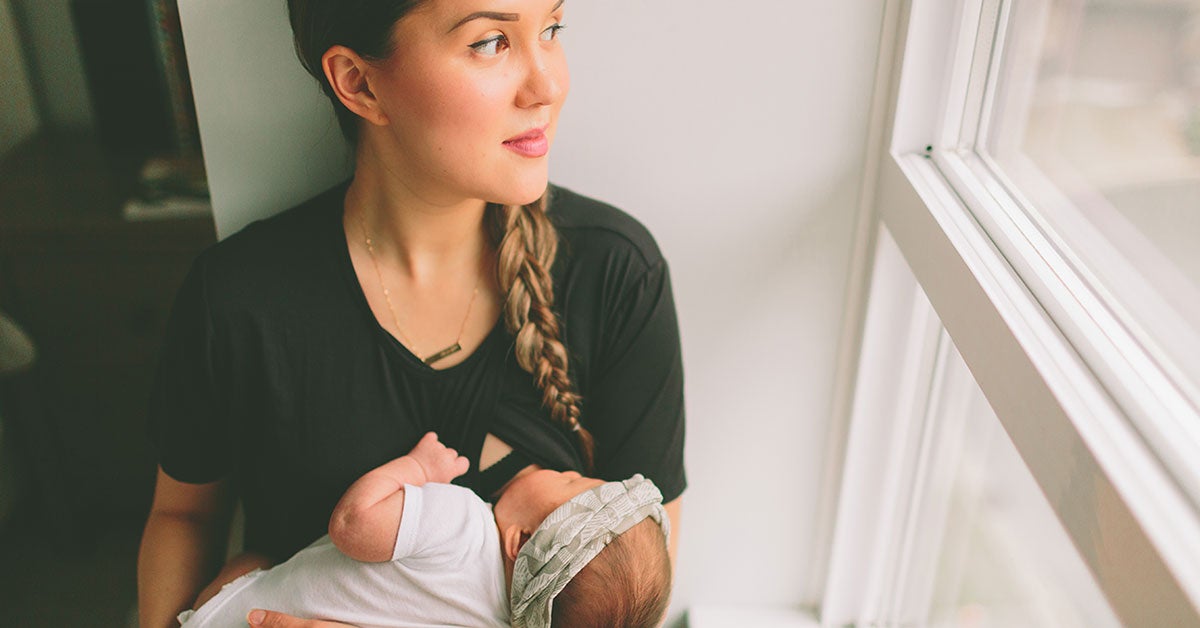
column 514, row 538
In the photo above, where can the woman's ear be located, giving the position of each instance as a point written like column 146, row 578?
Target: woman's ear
column 346, row 72
column 514, row 538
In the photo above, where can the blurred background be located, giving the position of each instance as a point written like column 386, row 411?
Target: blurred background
column 103, row 203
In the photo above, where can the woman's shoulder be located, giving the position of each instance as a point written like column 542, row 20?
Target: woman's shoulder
column 282, row 232
column 275, row 251
column 590, row 227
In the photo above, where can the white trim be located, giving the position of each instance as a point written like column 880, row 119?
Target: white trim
column 877, row 439
column 898, row 474
column 916, row 571
column 1158, row 308
column 858, row 283
column 739, row 617
column 1097, row 474
column 985, row 79
column 1133, row 527
column 1019, row 86
column 1144, row 390
column 926, row 57
column 1154, row 302
column 974, row 41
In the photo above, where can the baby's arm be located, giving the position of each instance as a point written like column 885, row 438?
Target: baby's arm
column 366, row 520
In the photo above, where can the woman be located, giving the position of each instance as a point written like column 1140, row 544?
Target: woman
column 445, row 287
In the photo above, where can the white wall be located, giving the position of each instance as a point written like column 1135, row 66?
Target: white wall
column 268, row 136
column 18, row 111
column 737, row 133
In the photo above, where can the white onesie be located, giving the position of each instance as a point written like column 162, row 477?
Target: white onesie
column 446, row 570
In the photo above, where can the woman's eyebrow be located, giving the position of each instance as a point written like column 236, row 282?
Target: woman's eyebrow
column 494, row 15
column 487, row 15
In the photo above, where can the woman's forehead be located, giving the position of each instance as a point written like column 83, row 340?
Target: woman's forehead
column 455, row 11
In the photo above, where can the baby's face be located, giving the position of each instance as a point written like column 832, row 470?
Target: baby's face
column 531, row 498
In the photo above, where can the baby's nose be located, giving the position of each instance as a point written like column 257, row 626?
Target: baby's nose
column 572, row 474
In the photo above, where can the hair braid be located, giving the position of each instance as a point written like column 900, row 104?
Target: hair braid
column 527, row 246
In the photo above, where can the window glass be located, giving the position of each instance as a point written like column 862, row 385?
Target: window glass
column 1004, row 558
column 1095, row 119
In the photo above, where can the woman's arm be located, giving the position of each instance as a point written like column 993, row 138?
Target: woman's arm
column 271, row 619
column 182, row 547
column 235, row 568
column 673, row 509
column 268, row 619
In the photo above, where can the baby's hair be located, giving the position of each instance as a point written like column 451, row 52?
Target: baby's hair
column 627, row 585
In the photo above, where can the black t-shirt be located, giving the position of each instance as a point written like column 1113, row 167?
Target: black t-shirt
column 276, row 374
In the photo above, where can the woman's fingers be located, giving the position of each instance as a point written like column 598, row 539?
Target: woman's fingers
column 272, row 619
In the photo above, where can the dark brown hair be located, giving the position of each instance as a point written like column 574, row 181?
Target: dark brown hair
column 525, row 240
column 627, row 585
column 364, row 26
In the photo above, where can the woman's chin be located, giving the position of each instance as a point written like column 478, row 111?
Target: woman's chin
column 524, row 194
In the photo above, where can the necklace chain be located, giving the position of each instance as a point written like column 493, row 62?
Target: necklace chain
column 387, row 296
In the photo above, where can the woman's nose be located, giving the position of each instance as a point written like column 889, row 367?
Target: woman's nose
column 545, row 82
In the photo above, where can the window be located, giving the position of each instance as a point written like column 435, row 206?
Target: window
column 1092, row 126
column 1003, row 558
column 941, row 523
column 1041, row 219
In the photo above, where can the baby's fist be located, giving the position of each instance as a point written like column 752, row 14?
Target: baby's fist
column 440, row 463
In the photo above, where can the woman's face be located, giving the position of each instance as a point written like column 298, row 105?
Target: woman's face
column 472, row 94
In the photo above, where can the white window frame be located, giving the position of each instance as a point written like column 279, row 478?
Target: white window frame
column 1102, row 424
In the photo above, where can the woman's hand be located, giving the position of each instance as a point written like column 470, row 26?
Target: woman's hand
column 271, row 619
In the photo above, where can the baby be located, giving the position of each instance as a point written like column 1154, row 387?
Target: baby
column 405, row 548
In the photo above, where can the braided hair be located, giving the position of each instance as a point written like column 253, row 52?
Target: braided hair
column 527, row 244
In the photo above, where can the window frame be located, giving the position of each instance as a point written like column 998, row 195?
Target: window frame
column 1079, row 395
column 1152, row 389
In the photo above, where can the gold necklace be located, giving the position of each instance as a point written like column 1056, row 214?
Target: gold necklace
column 387, row 296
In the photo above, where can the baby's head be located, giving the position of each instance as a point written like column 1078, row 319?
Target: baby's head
column 594, row 552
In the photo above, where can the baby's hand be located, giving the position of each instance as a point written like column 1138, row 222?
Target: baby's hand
column 440, row 463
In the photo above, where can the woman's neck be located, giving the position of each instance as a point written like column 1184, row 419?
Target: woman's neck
column 424, row 235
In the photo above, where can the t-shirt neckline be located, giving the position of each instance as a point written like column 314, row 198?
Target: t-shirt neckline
column 342, row 250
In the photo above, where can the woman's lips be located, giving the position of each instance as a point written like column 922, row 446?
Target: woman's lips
column 531, row 144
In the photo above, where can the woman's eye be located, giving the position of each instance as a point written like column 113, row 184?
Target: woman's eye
column 490, row 46
column 551, row 33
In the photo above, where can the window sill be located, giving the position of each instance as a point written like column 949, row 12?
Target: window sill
column 739, row 617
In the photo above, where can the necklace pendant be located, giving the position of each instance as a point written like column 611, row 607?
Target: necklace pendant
column 444, row 353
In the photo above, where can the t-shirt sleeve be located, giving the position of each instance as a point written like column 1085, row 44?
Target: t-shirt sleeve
column 187, row 422
column 442, row 524
column 635, row 408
